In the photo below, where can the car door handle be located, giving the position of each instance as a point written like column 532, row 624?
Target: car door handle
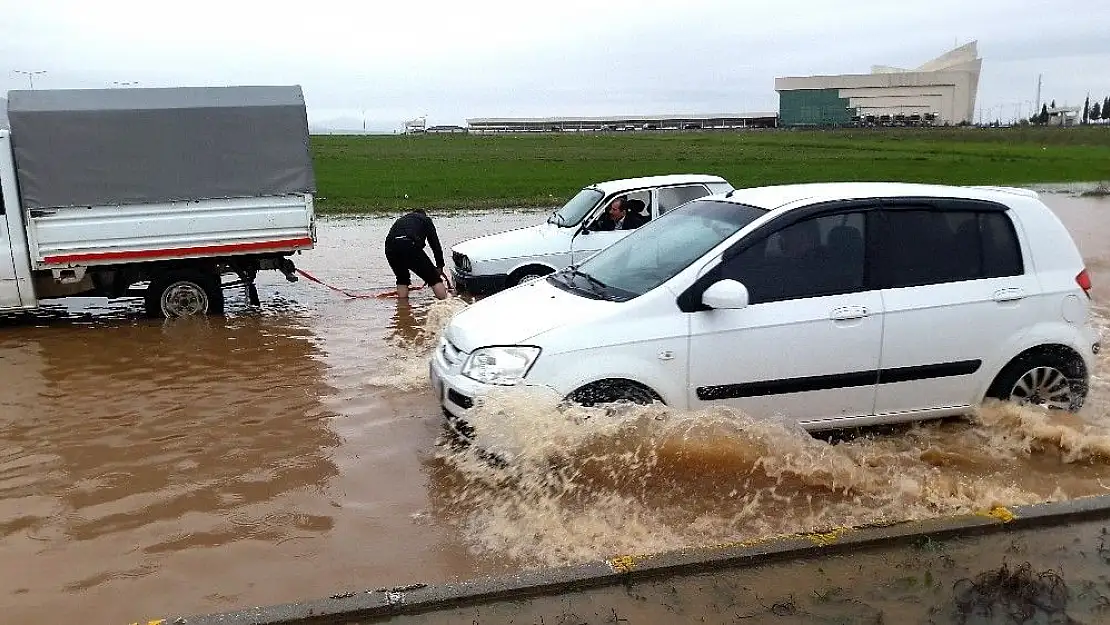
column 1008, row 295
column 845, row 313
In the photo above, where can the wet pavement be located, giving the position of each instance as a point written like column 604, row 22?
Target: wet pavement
column 194, row 466
column 927, row 581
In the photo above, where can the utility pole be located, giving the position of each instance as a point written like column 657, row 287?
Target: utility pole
column 30, row 75
column 1038, row 107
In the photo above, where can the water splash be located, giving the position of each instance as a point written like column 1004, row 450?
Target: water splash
column 587, row 483
column 404, row 363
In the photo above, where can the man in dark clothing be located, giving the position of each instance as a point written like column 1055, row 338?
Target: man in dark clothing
column 404, row 249
column 622, row 214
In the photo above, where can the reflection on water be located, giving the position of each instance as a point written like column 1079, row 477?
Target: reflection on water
column 150, row 468
column 123, row 442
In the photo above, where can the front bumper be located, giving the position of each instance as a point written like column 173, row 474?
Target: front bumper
column 478, row 285
column 456, row 393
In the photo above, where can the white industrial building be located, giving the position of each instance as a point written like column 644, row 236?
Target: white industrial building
column 710, row 121
column 941, row 91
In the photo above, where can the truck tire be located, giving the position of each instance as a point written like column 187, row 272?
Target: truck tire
column 184, row 294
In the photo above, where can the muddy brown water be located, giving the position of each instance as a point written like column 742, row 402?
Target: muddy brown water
column 151, row 468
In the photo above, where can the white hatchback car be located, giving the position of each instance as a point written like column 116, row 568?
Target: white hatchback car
column 833, row 305
column 494, row 262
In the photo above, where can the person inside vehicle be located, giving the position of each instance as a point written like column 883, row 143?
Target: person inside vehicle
column 623, row 214
column 404, row 250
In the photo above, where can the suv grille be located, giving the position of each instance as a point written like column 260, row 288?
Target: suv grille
column 462, row 263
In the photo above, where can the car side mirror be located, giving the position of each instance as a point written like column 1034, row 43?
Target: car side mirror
column 725, row 294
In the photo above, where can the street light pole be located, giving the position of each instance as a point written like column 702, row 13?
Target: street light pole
column 30, row 75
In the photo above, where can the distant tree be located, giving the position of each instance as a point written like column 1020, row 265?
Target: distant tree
column 1053, row 105
column 1095, row 112
column 1087, row 110
column 1106, row 108
column 1043, row 117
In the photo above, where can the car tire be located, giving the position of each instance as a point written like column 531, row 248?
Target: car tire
column 184, row 294
column 1053, row 380
column 527, row 274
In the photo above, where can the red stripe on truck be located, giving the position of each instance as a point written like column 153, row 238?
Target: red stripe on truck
column 208, row 250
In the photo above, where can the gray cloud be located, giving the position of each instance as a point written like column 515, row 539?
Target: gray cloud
column 387, row 63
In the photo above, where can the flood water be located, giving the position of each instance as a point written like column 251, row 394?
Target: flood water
column 150, row 468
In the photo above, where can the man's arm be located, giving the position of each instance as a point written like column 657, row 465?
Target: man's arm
column 433, row 242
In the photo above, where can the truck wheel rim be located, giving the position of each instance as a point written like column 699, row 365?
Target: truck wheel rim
column 1046, row 387
column 183, row 299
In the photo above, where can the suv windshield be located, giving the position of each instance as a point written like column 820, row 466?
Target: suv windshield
column 657, row 251
column 576, row 208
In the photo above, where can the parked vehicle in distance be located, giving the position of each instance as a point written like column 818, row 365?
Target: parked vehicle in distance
column 104, row 190
column 832, row 305
column 490, row 263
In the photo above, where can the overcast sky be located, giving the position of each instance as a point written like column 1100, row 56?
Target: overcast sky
column 390, row 61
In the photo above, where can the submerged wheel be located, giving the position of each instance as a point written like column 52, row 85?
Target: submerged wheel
column 1050, row 380
column 614, row 391
column 184, row 295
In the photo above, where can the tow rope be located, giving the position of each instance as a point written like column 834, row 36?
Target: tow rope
column 384, row 294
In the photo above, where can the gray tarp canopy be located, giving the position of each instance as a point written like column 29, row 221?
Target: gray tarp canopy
column 85, row 147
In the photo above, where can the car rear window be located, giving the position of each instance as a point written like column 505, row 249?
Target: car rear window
column 920, row 247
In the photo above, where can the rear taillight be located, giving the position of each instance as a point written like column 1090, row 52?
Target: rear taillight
column 1084, row 282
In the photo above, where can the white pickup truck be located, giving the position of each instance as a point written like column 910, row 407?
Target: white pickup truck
column 104, row 190
column 490, row 263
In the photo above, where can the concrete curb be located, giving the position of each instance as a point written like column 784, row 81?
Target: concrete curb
column 384, row 603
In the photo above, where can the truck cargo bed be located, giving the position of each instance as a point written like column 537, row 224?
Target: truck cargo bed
column 102, row 235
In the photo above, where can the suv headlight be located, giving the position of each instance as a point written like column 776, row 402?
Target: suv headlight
column 500, row 365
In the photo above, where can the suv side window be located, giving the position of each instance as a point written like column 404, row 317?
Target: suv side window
column 814, row 257
column 1001, row 251
column 673, row 197
column 920, row 247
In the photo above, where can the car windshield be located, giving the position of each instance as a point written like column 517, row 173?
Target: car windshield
column 574, row 210
column 657, row 251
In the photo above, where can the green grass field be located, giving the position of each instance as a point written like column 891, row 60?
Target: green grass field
column 374, row 173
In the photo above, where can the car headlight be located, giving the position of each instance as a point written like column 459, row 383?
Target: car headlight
column 500, row 365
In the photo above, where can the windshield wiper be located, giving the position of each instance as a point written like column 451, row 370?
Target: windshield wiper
column 565, row 279
column 604, row 288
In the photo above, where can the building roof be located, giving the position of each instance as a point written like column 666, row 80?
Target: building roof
column 617, row 118
column 961, row 60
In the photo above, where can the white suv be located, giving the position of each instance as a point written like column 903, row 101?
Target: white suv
column 834, row 305
column 493, row 262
